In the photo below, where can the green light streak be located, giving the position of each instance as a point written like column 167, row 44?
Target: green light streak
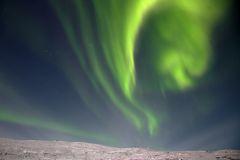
column 39, row 121
column 118, row 26
column 97, row 72
column 49, row 124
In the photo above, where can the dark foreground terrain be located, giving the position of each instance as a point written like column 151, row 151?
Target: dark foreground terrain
column 59, row 150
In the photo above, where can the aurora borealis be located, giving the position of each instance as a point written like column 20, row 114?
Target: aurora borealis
column 120, row 72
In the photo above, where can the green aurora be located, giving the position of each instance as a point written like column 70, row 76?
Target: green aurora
column 50, row 124
column 181, row 53
column 106, row 43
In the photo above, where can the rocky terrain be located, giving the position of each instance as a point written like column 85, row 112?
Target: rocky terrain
column 58, row 150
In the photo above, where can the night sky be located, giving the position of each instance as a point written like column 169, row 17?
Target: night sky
column 127, row 73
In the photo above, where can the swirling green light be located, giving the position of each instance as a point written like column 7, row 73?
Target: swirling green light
column 181, row 43
column 183, row 46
